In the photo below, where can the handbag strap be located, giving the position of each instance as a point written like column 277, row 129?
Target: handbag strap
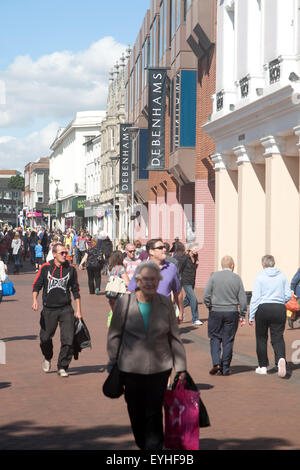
column 123, row 328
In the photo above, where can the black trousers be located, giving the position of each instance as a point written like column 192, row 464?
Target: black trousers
column 270, row 317
column 222, row 328
column 144, row 395
column 94, row 279
column 50, row 318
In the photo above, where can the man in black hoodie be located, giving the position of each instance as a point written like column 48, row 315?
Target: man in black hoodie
column 57, row 278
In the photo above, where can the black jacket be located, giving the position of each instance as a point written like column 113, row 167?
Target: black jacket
column 187, row 270
column 82, row 338
column 57, row 283
column 95, row 258
column 107, row 247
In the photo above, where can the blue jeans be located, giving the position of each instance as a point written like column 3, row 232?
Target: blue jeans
column 222, row 327
column 191, row 299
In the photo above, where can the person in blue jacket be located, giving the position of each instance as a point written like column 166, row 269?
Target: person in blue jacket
column 38, row 255
column 271, row 292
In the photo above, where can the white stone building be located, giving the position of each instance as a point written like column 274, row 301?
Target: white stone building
column 93, row 212
column 256, row 128
column 68, row 161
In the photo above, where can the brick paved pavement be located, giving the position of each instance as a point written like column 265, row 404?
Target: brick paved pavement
column 44, row 411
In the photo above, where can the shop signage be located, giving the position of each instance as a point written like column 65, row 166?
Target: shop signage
column 177, row 110
column 48, row 211
column 78, row 203
column 34, row 214
column 98, row 211
column 158, row 79
column 125, row 160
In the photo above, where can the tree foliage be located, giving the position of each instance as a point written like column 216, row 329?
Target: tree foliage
column 16, row 182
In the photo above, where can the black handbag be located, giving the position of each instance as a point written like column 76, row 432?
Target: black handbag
column 204, row 420
column 113, row 386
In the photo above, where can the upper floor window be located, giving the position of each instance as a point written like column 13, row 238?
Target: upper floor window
column 112, row 138
column 145, row 62
column 137, row 79
column 161, row 30
column 153, row 43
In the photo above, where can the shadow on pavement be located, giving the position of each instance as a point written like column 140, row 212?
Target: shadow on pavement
column 240, row 369
column 204, row 386
column 19, row 338
column 23, row 435
column 87, row 370
column 258, row 443
column 5, row 384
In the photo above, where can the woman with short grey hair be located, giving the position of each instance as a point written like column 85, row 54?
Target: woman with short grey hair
column 270, row 293
column 145, row 324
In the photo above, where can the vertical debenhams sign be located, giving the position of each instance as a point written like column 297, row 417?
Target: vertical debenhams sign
column 125, row 160
column 156, row 121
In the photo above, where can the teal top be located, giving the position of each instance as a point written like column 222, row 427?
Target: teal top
column 145, row 308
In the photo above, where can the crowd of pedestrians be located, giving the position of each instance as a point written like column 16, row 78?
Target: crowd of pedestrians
column 159, row 282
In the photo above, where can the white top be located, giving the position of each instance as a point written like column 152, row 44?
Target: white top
column 15, row 244
column 2, row 272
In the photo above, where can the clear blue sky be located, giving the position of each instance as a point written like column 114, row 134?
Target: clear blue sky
column 39, row 27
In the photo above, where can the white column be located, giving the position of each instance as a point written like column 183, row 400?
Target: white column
column 282, row 205
column 251, row 214
column 226, row 210
column 297, row 132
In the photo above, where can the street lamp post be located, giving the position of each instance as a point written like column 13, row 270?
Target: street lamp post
column 133, row 131
column 56, row 197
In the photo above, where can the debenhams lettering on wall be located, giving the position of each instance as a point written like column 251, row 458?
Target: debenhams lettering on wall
column 156, row 123
column 125, row 159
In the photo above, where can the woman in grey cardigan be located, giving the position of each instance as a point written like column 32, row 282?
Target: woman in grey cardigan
column 151, row 347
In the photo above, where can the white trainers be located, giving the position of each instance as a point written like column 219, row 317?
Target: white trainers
column 261, row 370
column 197, row 322
column 281, row 367
column 62, row 373
column 46, row 365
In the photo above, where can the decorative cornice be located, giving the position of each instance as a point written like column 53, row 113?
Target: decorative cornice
column 244, row 154
column 273, row 145
column 253, row 115
column 297, row 132
column 218, row 161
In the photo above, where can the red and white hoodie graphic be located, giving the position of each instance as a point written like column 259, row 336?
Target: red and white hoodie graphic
column 57, row 284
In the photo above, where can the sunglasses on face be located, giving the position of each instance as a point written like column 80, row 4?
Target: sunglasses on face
column 62, row 253
column 148, row 279
column 131, row 251
column 161, row 247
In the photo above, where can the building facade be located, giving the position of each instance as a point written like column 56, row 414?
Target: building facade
column 256, row 127
column 113, row 205
column 178, row 200
column 67, row 176
column 92, row 211
column 36, row 193
column 10, row 199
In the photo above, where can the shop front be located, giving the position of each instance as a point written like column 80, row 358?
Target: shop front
column 94, row 216
column 35, row 218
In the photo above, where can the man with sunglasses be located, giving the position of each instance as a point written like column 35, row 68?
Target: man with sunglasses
column 130, row 260
column 57, row 278
column 169, row 283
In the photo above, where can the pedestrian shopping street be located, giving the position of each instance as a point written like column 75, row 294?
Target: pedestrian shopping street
column 45, row 412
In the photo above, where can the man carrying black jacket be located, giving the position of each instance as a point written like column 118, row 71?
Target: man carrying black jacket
column 188, row 264
column 57, row 278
